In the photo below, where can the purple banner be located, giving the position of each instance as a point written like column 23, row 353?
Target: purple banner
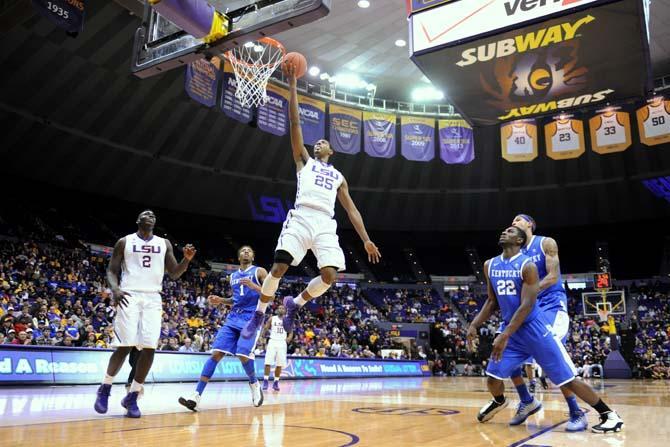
column 202, row 82
column 273, row 115
column 231, row 106
column 312, row 119
column 68, row 15
column 418, row 5
column 379, row 134
column 345, row 129
column 417, row 138
column 457, row 143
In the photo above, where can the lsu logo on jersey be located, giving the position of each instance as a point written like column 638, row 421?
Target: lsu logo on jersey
column 325, row 172
column 146, row 249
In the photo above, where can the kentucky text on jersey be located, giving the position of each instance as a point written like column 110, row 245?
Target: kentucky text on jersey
column 244, row 298
column 506, row 280
column 506, row 273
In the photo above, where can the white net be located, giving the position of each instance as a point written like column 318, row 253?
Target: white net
column 253, row 64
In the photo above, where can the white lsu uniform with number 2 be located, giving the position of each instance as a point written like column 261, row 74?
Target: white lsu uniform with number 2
column 139, row 322
column 275, row 354
column 311, row 225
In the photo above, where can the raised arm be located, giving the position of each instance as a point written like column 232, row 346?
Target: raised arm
column 552, row 263
column 114, row 273
column 490, row 306
column 174, row 269
column 300, row 154
column 357, row 221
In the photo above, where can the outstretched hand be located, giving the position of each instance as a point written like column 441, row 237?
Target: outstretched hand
column 215, row 300
column 189, row 252
column 373, row 252
column 289, row 70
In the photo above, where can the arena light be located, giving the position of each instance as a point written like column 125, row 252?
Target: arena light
column 349, row 81
column 420, row 94
column 314, row 71
column 400, row 43
column 324, row 76
column 363, row 4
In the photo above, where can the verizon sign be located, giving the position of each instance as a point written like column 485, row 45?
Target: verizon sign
column 468, row 18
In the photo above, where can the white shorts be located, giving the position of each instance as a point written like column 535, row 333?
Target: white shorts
column 139, row 322
column 305, row 229
column 275, row 355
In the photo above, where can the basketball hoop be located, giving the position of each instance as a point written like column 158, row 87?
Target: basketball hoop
column 253, row 64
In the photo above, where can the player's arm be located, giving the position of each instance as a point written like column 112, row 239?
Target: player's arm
column 300, row 154
column 550, row 248
column 490, row 306
column 529, row 291
column 114, row 273
column 266, row 327
column 289, row 337
column 357, row 221
column 174, row 269
column 216, row 300
column 261, row 274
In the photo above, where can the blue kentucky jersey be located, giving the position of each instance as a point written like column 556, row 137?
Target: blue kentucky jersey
column 244, row 297
column 506, row 281
column 553, row 295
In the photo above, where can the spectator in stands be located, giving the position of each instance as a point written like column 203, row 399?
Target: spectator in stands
column 186, row 347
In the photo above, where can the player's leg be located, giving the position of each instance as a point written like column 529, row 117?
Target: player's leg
column 245, row 352
column 316, row 287
column 561, row 328
column 125, row 324
column 280, row 362
column 132, row 360
column 496, row 372
column 528, row 405
column 225, row 342
column 270, row 354
column 530, row 373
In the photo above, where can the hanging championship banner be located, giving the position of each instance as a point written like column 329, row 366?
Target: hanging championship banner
column 66, row 14
column 417, row 138
column 379, row 134
column 202, row 81
column 273, row 115
column 518, row 140
column 564, row 138
column 610, row 132
column 653, row 122
column 345, row 129
column 457, row 142
column 312, row 119
column 231, row 106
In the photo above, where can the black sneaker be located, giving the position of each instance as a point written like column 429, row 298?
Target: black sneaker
column 543, row 381
column 491, row 409
column 609, row 422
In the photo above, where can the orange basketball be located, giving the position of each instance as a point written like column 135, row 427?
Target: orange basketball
column 298, row 60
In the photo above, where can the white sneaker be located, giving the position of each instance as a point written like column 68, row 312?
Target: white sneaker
column 609, row 422
column 193, row 403
column 524, row 411
column 491, row 409
column 256, row 393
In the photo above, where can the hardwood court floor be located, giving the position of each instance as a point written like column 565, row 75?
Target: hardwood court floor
column 370, row 412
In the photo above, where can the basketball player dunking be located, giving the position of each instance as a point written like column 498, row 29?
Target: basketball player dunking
column 245, row 283
column 140, row 261
column 513, row 284
column 553, row 301
column 275, row 353
column 310, row 225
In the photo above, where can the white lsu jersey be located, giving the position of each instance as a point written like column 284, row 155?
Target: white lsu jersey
column 277, row 332
column 658, row 121
column 519, row 142
column 565, row 137
column 318, row 183
column 610, row 131
column 143, row 264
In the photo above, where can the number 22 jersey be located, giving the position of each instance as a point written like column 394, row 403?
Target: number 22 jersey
column 506, row 278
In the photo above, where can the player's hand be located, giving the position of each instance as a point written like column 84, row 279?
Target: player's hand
column 290, row 73
column 471, row 338
column 499, row 345
column 189, row 252
column 216, row 300
column 247, row 282
column 373, row 252
column 120, row 297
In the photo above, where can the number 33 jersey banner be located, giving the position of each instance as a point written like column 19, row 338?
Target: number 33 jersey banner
column 66, row 14
column 610, row 132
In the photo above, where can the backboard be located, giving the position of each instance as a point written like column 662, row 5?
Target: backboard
column 160, row 45
column 614, row 302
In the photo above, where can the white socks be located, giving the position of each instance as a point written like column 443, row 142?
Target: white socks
column 270, row 285
column 317, row 287
column 266, row 378
column 108, row 380
column 135, row 387
column 261, row 306
column 299, row 300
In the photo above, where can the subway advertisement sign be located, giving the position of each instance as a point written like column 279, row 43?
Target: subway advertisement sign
column 589, row 57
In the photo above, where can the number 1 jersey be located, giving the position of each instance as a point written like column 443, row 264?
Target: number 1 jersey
column 318, row 183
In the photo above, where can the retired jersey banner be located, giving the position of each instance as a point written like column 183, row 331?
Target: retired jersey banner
column 231, row 106
column 653, row 122
column 345, row 129
column 610, row 132
column 273, row 115
column 564, row 138
column 379, row 134
column 457, row 142
column 312, row 119
column 417, row 138
column 202, row 81
column 518, row 140
column 66, row 14
column 589, row 57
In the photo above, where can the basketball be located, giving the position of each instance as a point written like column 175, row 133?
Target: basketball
column 298, row 60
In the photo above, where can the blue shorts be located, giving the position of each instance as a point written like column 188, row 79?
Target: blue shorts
column 535, row 339
column 560, row 322
column 228, row 339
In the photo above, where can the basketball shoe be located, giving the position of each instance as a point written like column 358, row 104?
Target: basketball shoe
column 525, row 410
column 193, row 403
column 102, row 399
column 291, row 310
column 577, row 422
column 491, row 409
column 253, row 325
column 266, row 385
column 256, row 394
column 130, row 404
column 609, row 422
column 275, row 385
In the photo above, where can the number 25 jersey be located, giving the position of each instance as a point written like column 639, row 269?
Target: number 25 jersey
column 506, row 278
column 318, row 183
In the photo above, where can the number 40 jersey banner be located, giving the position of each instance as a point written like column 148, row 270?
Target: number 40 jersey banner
column 66, row 14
